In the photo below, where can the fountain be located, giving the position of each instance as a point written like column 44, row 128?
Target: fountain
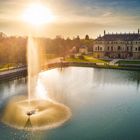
column 40, row 115
column 36, row 111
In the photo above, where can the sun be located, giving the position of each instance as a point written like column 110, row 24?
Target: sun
column 37, row 14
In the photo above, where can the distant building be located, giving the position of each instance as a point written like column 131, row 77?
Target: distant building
column 83, row 49
column 124, row 46
column 73, row 50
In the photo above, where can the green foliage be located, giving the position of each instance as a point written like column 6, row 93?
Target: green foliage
column 87, row 37
column 72, row 56
column 13, row 49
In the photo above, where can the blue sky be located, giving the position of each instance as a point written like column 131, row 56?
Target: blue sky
column 75, row 17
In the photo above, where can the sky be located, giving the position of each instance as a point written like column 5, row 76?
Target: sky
column 73, row 17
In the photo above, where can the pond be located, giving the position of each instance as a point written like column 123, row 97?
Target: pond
column 105, row 104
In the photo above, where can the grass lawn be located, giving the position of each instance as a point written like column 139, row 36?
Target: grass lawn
column 50, row 56
column 86, row 59
column 129, row 62
column 4, row 67
column 94, row 60
column 75, row 60
column 105, row 65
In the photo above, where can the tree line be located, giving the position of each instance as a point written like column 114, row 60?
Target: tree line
column 13, row 49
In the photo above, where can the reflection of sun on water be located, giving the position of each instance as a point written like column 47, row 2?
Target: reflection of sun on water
column 37, row 14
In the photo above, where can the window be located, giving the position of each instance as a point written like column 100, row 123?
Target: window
column 119, row 48
column 135, row 49
column 139, row 49
column 108, row 48
column 127, row 48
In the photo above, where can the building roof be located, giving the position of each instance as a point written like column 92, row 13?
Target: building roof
column 119, row 37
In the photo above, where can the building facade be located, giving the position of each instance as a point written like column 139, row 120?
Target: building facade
column 123, row 46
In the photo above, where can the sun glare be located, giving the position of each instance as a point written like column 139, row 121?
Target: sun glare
column 37, row 14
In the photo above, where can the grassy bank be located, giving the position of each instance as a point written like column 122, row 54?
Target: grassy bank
column 122, row 64
column 129, row 62
column 86, row 59
column 4, row 67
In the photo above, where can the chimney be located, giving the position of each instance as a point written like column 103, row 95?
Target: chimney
column 138, row 31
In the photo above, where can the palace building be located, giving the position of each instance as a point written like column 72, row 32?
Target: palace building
column 123, row 46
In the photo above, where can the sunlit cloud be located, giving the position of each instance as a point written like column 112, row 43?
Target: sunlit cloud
column 106, row 14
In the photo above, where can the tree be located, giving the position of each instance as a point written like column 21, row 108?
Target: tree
column 87, row 37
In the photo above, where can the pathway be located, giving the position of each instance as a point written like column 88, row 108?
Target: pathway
column 114, row 61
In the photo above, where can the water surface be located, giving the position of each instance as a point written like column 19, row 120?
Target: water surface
column 105, row 104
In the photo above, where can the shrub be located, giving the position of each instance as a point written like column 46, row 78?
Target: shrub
column 72, row 56
column 81, row 57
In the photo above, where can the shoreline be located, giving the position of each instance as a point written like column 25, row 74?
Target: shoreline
column 22, row 71
column 92, row 65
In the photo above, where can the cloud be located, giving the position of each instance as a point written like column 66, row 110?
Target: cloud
column 106, row 14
